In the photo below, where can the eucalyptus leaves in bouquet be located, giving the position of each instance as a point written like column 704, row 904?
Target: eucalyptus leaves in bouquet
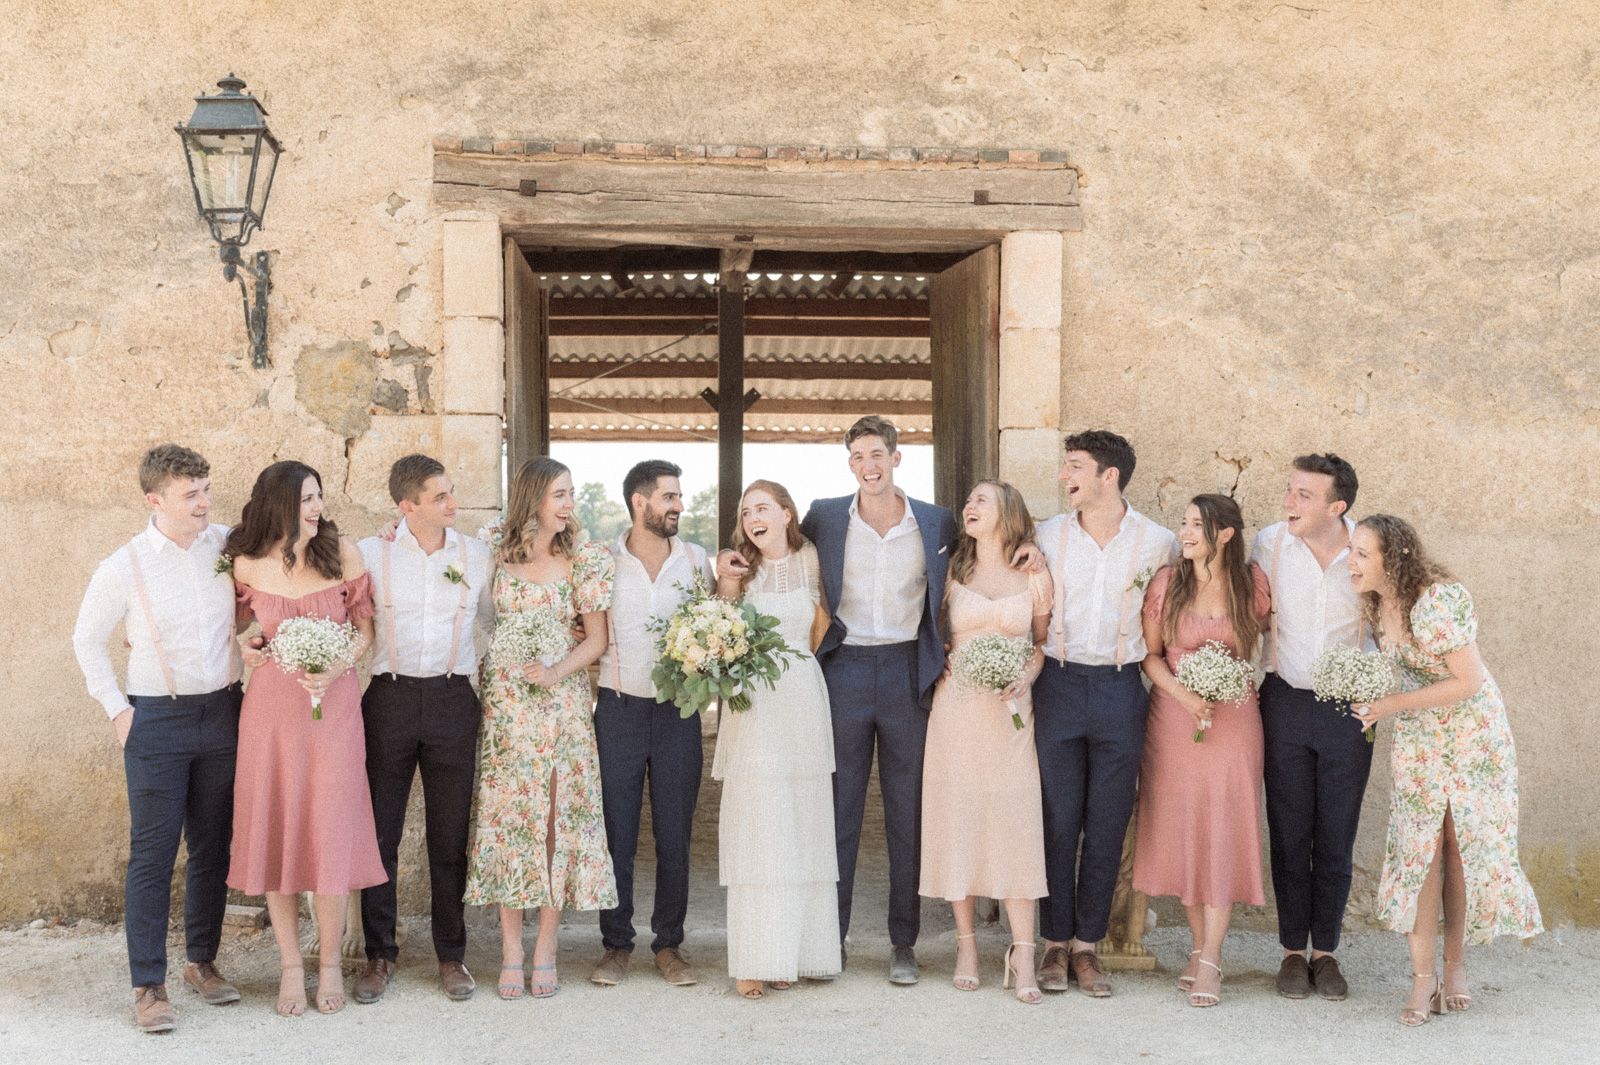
column 712, row 649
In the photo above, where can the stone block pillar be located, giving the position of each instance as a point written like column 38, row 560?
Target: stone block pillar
column 473, row 359
column 1030, row 366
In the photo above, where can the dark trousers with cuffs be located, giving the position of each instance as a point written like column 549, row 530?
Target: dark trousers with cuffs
column 1088, row 727
column 1316, row 768
column 427, row 723
column 641, row 738
column 179, row 761
column 873, row 694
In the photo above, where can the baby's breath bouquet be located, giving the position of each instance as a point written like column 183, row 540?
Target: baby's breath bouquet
column 713, row 649
column 312, row 645
column 992, row 662
column 1214, row 674
column 529, row 636
column 1352, row 676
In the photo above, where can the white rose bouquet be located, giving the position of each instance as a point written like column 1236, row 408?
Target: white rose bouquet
column 992, row 662
column 1352, row 676
column 1214, row 674
column 713, row 649
column 529, row 636
column 312, row 645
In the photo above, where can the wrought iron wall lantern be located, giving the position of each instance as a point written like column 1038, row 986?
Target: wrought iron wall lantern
column 232, row 157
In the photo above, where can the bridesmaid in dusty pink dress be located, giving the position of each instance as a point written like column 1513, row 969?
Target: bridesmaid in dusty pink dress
column 1199, row 835
column 302, row 813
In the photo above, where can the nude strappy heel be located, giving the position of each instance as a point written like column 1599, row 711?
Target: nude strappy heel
column 1460, row 1001
column 1202, row 999
column 1417, row 1018
column 1186, row 982
column 1031, row 996
column 965, row 983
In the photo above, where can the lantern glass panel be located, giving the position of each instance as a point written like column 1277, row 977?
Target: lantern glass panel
column 222, row 165
column 265, row 168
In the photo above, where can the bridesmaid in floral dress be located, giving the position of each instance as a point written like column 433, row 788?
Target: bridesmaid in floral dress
column 1453, row 815
column 541, row 838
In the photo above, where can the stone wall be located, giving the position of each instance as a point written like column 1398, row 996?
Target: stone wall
column 1353, row 226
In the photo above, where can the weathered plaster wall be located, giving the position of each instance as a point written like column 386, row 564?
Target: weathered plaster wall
column 1359, row 226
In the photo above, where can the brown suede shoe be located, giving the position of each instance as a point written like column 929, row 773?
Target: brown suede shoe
column 612, row 968
column 1294, row 976
column 675, row 970
column 457, row 983
column 1053, row 970
column 374, row 980
column 1085, row 968
column 213, row 989
column 152, row 1010
column 1328, row 980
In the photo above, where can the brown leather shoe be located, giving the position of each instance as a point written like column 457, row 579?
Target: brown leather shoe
column 457, row 984
column 1294, row 976
column 1085, row 968
column 213, row 988
column 374, row 980
column 1053, row 970
column 612, row 968
column 1328, row 980
column 152, row 1010
column 674, row 969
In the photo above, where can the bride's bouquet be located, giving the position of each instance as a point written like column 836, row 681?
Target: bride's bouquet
column 1352, row 676
column 529, row 636
column 312, row 645
column 713, row 649
column 992, row 662
column 1214, row 674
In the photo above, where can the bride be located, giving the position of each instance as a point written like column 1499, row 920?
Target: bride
column 777, row 855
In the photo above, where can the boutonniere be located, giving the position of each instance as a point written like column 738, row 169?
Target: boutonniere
column 453, row 574
column 223, row 564
column 1141, row 579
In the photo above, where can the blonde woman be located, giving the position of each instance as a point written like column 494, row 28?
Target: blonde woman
column 1453, row 815
column 541, row 838
column 775, row 760
column 982, row 806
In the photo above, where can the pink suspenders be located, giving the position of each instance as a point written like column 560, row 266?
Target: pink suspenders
column 1127, row 591
column 388, row 608
column 1272, row 580
column 1061, row 590
column 150, row 621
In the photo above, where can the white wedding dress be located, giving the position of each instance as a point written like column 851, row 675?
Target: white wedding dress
column 777, row 855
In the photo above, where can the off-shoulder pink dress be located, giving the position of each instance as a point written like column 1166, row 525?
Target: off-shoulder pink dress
column 302, row 813
column 1199, row 803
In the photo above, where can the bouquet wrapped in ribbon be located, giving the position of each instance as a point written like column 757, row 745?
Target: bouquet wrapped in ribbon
column 992, row 662
column 1352, row 676
column 312, row 645
column 529, row 636
column 713, row 649
column 1214, row 674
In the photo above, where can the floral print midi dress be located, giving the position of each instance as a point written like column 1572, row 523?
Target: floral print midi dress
column 1459, row 758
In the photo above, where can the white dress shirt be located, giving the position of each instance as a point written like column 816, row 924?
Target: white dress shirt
column 885, row 580
column 425, row 602
column 636, row 600
column 1312, row 608
column 193, row 608
column 1099, row 592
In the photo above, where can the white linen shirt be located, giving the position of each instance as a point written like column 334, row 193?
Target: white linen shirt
column 193, row 608
column 630, row 653
column 1313, row 608
column 885, row 580
column 1099, row 592
column 425, row 603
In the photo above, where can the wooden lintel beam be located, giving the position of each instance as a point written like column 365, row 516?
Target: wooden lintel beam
column 753, row 435
column 761, row 327
column 676, row 259
column 768, row 369
column 701, row 405
column 705, row 308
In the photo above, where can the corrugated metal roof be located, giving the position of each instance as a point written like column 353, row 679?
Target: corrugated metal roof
column 666, row 285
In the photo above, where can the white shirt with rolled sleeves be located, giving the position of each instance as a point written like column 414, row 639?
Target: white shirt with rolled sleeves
column 418, row 622
column 1312, row 608
column 193, row 608
column 630, row 654
column 885, row 583
column 1099, row 592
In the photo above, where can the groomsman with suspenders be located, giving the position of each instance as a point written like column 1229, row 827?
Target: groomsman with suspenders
column 638, row 735
column 1317, row 759
column 178, row 724
column 431, row 588
column 1090, row 702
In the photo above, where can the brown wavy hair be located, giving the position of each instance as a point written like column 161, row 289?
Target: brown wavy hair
column 1407, row 564
column 743, row 544
column 528, row 489
column 272, row 517
column 1217, row 512
column 1015, row 526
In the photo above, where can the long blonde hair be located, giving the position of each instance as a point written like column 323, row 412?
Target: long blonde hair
column 1217, row 512
column 1407, row 564
column 528, row 489
column 742, row 543
column 1015, row 527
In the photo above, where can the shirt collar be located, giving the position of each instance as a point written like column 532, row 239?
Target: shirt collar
column 156, row 540
column 909, row 519
column 406, row 538
column 674, row 548
column 1129, row 516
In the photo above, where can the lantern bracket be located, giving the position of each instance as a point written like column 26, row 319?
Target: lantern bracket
column 255, row 310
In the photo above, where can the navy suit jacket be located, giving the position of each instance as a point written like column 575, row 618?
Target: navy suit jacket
column 826, row 525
